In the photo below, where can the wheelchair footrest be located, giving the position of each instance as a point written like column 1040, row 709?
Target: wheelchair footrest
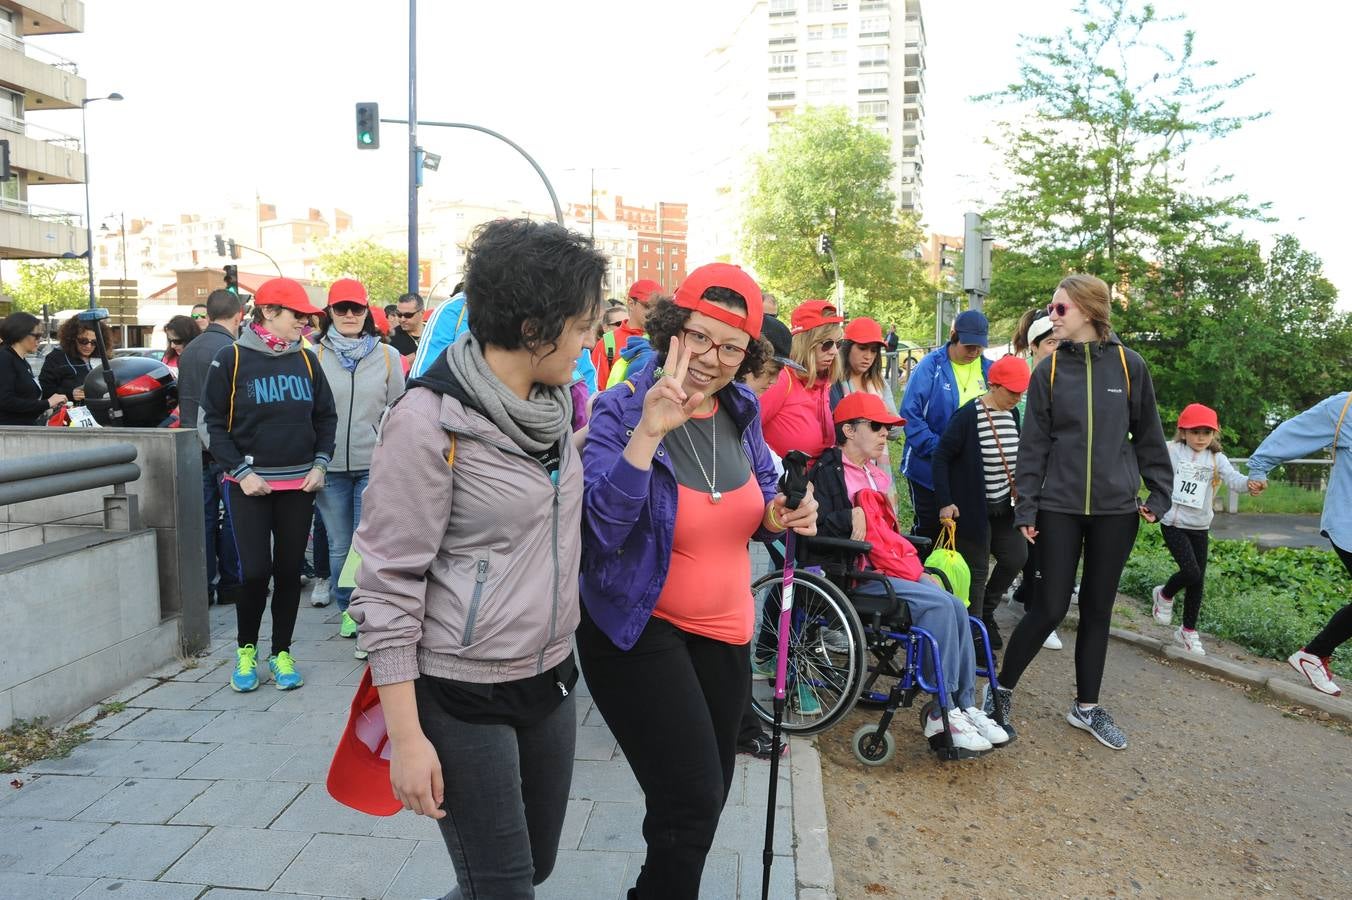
column 952, row 754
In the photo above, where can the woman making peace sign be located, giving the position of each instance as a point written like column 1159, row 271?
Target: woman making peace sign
column 677, row 481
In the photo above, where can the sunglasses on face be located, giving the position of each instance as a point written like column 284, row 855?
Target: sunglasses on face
column 36, row 334
column 348, row 309
column 876, row 426
column 408, row 315
column 86, row 342
column 175, row 342
column 1058, row 308
column 199, row 315
column 828, row 346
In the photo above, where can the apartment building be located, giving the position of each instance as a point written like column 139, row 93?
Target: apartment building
column 33, row 80
column 782, row 56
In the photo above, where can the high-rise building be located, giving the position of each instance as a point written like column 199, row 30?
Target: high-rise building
column 31, row 80
column 783, row 56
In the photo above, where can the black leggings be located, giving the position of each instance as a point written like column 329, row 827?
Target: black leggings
column 926, row 507
column 673, row 702
column 1188, row 546
column 1106, row 542
column 1339, row 628
column 270, row 535
column 1010, row 549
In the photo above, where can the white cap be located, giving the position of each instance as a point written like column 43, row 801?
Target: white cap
column 1040, row 328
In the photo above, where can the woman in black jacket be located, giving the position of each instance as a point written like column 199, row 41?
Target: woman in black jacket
column 65, row 369
column 21, row 399
column 1091, row 434
column 974, row 486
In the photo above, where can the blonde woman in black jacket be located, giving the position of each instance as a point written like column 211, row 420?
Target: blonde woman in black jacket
column 1091, row 433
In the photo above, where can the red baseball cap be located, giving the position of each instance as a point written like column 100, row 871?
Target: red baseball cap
column 811, row 314
column 725, row 275
column 359, row 775
column 862, row 405
column 864, row 330
column 286, row 293
column 348, row 290
column 382, row 321
column 1010, row 372
column 1195, row 415
column 642, row 289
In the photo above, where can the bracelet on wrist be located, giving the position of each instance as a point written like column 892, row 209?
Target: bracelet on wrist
column 775, row 524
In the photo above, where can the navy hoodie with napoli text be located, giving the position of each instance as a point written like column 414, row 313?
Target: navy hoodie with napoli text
column 267, row 412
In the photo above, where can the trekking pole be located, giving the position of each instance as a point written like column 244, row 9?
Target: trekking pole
column 793, row 485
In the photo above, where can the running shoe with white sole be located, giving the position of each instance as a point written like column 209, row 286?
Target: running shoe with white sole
column 999, row 705
column 1190, row 639
column 1100, row 724
column 1316, row 669
column 835, row 641
column 964, row 733
column 319, row 594
column 986, row 727
column 1163, row 607
column 1053, row 641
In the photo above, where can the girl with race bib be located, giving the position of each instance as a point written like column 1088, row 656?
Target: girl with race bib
column 1199, row 467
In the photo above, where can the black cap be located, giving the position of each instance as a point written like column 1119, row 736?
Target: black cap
column 777, row 333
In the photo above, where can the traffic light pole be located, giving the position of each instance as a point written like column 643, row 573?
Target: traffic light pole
column 413, row 157
column 553, row 197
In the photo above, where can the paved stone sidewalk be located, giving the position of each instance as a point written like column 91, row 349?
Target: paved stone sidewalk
column 195, row 791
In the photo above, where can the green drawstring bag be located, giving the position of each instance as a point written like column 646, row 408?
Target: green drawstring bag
column 948, row 560
column 348, row 577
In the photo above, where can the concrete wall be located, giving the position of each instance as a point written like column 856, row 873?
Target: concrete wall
column 83, row 617
column 170, row 499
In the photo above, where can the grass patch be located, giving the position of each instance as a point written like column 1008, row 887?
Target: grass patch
column 1280, row 497
column 29, row 741
column 1270, row 603
column 111, row 708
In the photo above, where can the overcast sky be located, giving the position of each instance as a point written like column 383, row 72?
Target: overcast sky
column 227, row 99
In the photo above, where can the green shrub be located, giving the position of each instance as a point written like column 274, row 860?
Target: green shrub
column 1269, row 602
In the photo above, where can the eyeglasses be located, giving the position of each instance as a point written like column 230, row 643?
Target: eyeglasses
column 408, row 315
column 876, row 426
column 199, row 315
column 828, row 346
column 175, row 342
column 699, row 343
column 86, row 342
column 616, row 324
column 348, row 309
column 36, row 334
column 1058, row 308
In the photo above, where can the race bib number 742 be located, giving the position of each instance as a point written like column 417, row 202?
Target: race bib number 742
column 1190, row 484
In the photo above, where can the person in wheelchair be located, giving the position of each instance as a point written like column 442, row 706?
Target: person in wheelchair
column 844, row 480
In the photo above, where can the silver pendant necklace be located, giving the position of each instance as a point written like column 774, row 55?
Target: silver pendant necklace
column 715, row 495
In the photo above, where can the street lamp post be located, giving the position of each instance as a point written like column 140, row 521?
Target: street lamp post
column 89, row 223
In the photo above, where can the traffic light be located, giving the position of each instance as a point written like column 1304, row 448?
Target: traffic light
column 220, row 245
column 823, row 244
column 232, row 279
column 233, row 248
column 368, row 126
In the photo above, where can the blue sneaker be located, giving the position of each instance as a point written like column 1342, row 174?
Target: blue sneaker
column 284, row 674
column 245, row 677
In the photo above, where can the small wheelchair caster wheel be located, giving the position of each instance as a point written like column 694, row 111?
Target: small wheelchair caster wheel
column 870, row 748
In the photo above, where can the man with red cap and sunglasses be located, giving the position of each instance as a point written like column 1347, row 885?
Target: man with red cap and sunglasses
column 640, row 297
column 677, row 480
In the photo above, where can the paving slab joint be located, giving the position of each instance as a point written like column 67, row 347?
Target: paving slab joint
column 811, row 847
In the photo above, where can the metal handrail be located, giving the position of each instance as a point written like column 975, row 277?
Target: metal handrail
column 40, row 477
column 1232, row 496
column 38, row 132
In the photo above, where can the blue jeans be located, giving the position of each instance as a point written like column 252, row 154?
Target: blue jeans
column 222, row 554
column 339, row 506
column 944, row 616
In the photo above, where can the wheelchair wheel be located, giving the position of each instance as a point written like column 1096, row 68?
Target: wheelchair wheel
column 869, row 748
column 826, row 653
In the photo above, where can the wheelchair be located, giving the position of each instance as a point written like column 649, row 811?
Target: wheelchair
column 845, row 646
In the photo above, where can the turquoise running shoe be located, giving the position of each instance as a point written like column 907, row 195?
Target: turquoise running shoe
column 284, row 674
column 245, row 677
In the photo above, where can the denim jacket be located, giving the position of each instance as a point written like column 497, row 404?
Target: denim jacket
column 629, row 514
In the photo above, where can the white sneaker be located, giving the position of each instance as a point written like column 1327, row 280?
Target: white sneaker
column 1053, row 641
column 835, row 641
column 986, row 726
column 1163, row 608
column 1190, row 639
column 964, row 733
column 319, row 594
column 1315, row 669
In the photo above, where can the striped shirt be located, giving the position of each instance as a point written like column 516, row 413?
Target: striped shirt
column 997, row 482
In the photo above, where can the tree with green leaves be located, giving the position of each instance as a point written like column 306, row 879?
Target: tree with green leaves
column 58, row 283
column 384, row 272
column 827, row 174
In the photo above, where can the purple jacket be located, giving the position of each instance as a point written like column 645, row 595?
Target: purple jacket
column 629, row 515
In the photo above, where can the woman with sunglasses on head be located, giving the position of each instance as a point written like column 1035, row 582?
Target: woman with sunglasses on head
column 1092, row 434
column 862, row 355
column 365, row 376
column 178, row 333
column 796, row 410
column 21, row 400
column 68, row 365
column 678, row 480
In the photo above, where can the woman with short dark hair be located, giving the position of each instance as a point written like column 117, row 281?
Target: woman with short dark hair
column 467, row 595
column 679, row 479
column 21, row 400
column 68, row 364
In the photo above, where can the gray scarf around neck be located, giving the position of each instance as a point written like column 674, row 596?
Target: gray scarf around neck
column 535, row 424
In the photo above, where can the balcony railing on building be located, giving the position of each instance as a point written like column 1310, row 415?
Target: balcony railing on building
column 43, row 213
column 39, row 54
column 38, row 132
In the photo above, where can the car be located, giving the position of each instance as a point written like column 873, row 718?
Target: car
column 151, row 352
